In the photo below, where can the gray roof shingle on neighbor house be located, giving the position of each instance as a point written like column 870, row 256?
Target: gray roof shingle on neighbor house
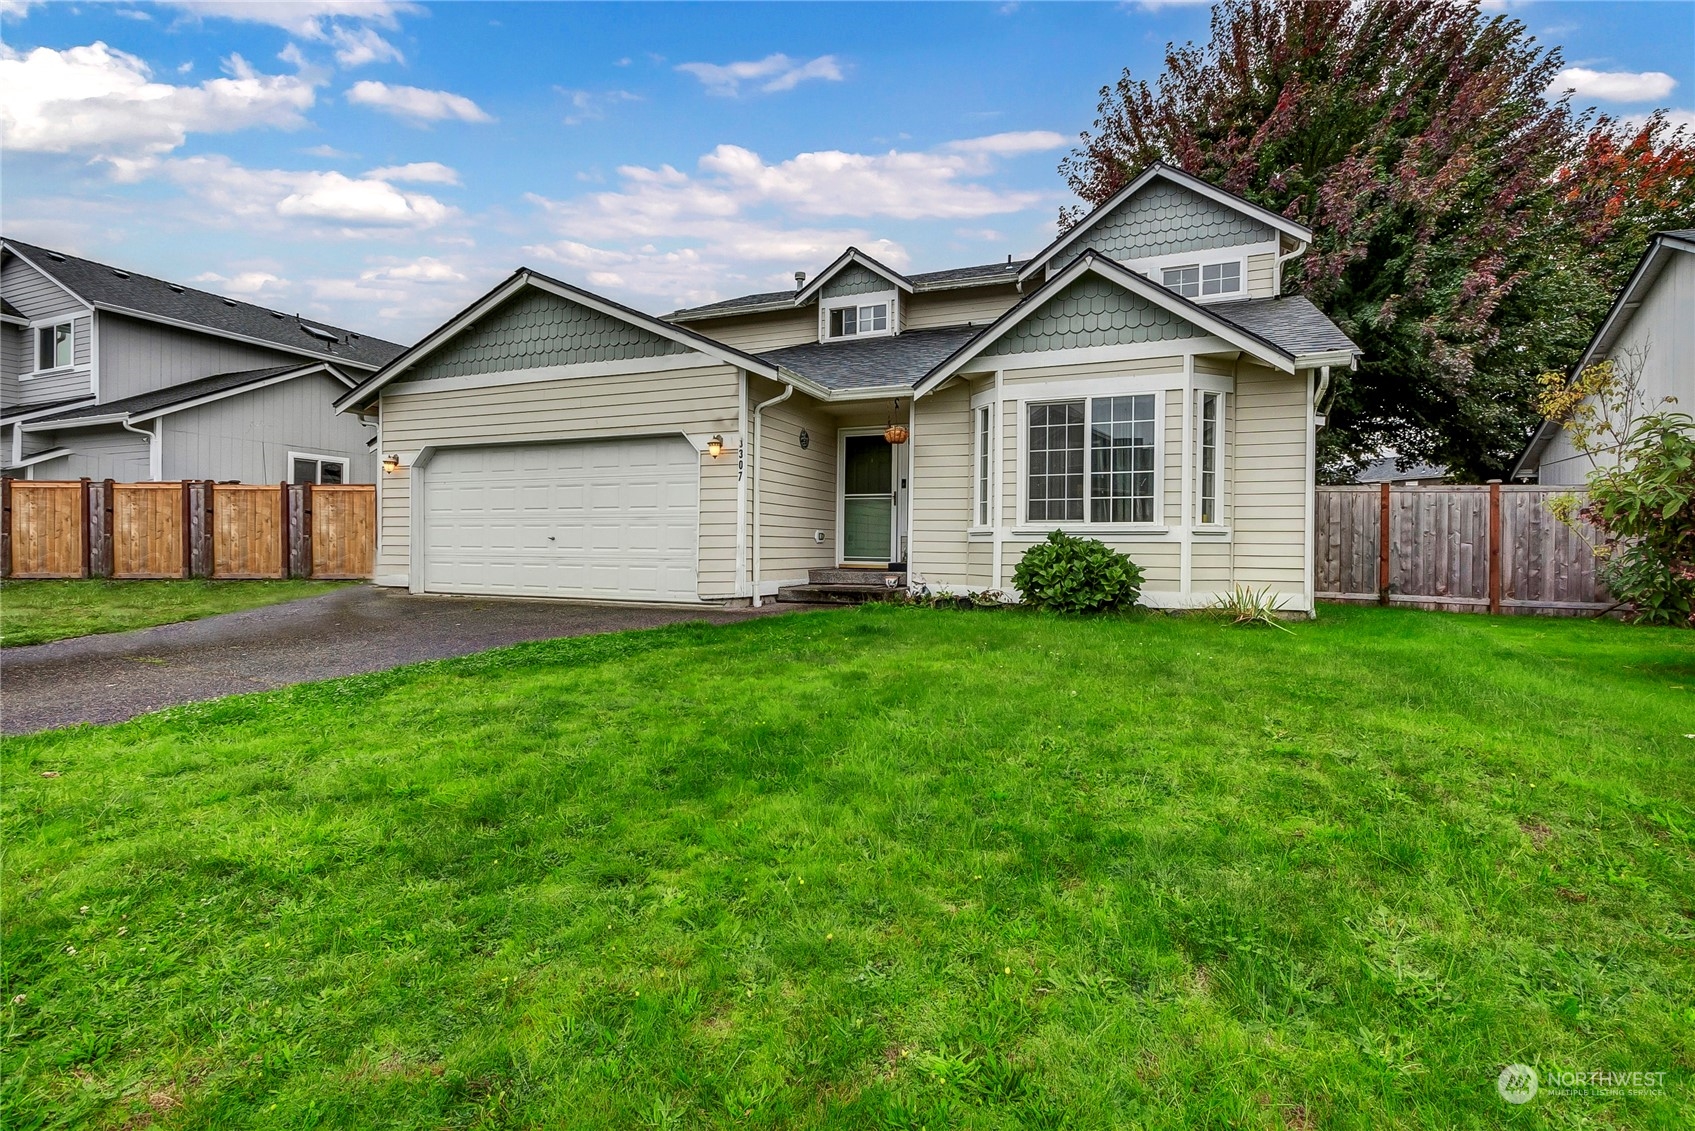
column 1291, row 323
column 105, row 285
column 156, row 399
column 873, row 363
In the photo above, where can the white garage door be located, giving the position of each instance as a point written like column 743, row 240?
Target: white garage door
column 604, row 518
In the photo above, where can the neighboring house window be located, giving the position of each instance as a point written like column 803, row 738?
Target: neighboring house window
column 1118, row 448
column 849, row 321
column 54, row 346
column 305, row 468
column 983, row 447
column 1204, row 280
column 1211, row 425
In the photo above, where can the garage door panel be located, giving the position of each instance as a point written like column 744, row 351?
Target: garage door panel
column 609, row 519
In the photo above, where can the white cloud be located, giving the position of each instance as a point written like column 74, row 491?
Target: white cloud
column 740, row 223
column 590, row 106
column 1010, row 144
column 18, row 9
column 415, row 103
column 256, row 196
column 779, row 72
column 1612, row 86
column 417, row 173
column 99, row 100
column 248, row 284
column 308, row 19
column 355, row 47
column 424, row 269
column 1676, row 119
column 327, row 151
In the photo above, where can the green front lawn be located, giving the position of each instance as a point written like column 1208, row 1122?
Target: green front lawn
column 877, row 868
column 34, row 612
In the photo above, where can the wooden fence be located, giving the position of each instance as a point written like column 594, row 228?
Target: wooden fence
column 188, row 529
column 1496, row 548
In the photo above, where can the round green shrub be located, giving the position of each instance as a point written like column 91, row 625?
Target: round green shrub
column 1077, row 575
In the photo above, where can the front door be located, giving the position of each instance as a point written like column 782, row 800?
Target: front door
column 868, row 500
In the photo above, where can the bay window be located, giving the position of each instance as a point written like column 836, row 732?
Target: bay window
column 983, row 447
column 1113, row 438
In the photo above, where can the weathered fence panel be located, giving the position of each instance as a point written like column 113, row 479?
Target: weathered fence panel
column 147, row 530
column 341, row 531
column 1493, row 548
column 49, row 529
column 247, row 530
column 194, row 528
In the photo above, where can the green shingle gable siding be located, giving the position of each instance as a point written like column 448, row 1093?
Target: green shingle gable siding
column 854, row 280
column 536, row 328
column 1092, row 312
column 1163, row 219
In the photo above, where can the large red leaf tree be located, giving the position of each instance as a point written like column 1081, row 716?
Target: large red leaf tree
column 1469, row 228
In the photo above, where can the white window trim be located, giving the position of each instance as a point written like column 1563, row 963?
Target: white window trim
column 983, row 490
column 346, row 465
column 35, row 329
column 1153, row 267
column 1221, row 441
column 1025, row 525
column 870, row 298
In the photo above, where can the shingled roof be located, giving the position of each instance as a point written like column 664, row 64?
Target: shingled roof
column 1291, row 323
column 873, row 363
column 953, row 278
column 108, row 287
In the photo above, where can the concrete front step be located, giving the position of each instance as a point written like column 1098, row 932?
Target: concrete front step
column 856, row 577
column 839, row 594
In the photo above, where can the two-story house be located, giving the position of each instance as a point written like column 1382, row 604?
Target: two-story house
column 111, row 374
column 1142, row 380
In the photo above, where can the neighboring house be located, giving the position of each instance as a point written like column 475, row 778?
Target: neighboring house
column 1139, row 381
column 1408, row 474
column 1652, row 321
column 110, row 374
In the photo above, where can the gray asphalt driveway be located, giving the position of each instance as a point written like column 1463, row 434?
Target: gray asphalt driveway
column 106, row 679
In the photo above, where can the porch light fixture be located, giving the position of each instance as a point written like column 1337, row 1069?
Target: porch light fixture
column 715, row 447
column 391, row 463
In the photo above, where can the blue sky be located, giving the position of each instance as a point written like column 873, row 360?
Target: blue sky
column 380, row 164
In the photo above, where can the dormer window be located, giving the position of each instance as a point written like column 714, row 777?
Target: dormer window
column 1204, row 280
column 857, row 320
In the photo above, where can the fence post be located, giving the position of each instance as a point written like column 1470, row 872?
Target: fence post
column 1494, row 546
column 208, row 532
column 87, row 529
column 108, row 538
column 1383, row 545
column 283, row 496
column 187, row 531
column 306, row 529
column 6, row 527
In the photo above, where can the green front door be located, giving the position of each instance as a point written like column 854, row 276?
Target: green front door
column 868, row 499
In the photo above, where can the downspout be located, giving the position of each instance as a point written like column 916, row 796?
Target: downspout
column 758, row 443
column 155, row 451
column 1277, row 283
column 997, row 429
column 742, row 379
column 1323, row 387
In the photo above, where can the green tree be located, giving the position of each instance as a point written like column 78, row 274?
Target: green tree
column 1468, row 230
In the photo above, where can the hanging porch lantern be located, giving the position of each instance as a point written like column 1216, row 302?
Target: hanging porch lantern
column 896, row 433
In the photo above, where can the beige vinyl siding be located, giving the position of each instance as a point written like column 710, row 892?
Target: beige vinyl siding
column 941, row 487
column 977, row 305
column 1215, row 366
column 797, row 486
column 758, row 333
column 1272, row 431
column 719, row 482
column 1209, row 566
column 1262, row 275
column 702, row 400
